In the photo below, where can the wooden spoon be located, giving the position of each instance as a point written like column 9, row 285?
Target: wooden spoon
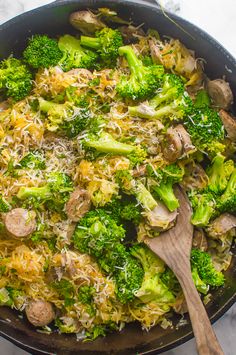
column 174, row 248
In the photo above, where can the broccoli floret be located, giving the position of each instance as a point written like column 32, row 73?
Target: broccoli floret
column 42, row 52
column 201, row 286
column 74, row 56
column 5, row 299
column 203, row 263
column 128, row 277
column 33, row 160
column 66, row 118
column 171, row 281
column 105, row 143
column 152, row 289
column 99, row 235
column 96, row 233
column 15, row 79
column 227, row 201
column 143, row 81
column 106, row 44
column 219, row 173
column 65, row 290
column 176, row 109
column 85, row 294
column 4, row 205
column 166, row 177
column 202, row 99
column 206, row 130
column 125, row 209
column 204, row 206
column 55, row 193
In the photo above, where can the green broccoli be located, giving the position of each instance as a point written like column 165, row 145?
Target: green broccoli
column 66, row 291
column 124, row 209
column 227, row 201
column 219, row 173
column 202, row 99
column 74, row 56
column 33, row 160
column 204, row 206
column 104, row 143
column 176, row 109
column 15, row 79
column 54, row 194
column 206, row 130
column 96, row 233
column 171, row 281
column 152, row 289
column 66, row 118
column 166, row 177
column 42, row 52
column 106, row 44
column 143, row 81
column 85, row 294
column 202, row 262
column 4, row 205
column 201, row 286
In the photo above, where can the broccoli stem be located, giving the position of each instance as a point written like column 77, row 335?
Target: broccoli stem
column 161, row 97
column 166, row 194
column 107, row 144
column 90, row 42
column 46, row 106
column 149, row 112
column 144, row 196
column 202, row 215
column 135, row 64
column 231, row 187
column 41, row 193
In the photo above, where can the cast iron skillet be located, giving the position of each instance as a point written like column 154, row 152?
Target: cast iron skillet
column 53, row 20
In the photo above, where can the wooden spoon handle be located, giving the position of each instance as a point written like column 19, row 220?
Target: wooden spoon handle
column 207, row 343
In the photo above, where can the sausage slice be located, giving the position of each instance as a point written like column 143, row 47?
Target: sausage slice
column 229, row 123
column 78, row 204
column 187, row 145
column 40, row 313
column 19, row 222
column 220, row 93
column 199, row 239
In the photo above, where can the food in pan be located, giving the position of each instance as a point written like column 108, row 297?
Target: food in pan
column 96, row 131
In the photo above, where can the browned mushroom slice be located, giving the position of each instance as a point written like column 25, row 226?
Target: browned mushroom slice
column 224, row 225
column 187, row 145
column 229, row 123
column 199, row 239
column 220, row 93
column 19, row 222
column 40, row 313
column 131, row 33
column 160, row 218
column 86, row 22
column 78, row 204
column 172, row 147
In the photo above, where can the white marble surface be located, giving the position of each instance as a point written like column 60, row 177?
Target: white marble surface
column 218, row 18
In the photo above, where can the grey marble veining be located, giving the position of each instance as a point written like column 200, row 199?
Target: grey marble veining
column 218, row 18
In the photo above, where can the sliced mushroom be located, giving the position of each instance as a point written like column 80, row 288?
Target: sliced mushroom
column 172, row 146
column 86, row 22
column 139, row 171
column 131, row 33
column 160, row 218
column 199, row 239
column 78, row 204
column 195, row 178
column 229, row 123
column 187, row 145
column 40, row 313
column 224, row 225
column 220, row 93
column 19, row 222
